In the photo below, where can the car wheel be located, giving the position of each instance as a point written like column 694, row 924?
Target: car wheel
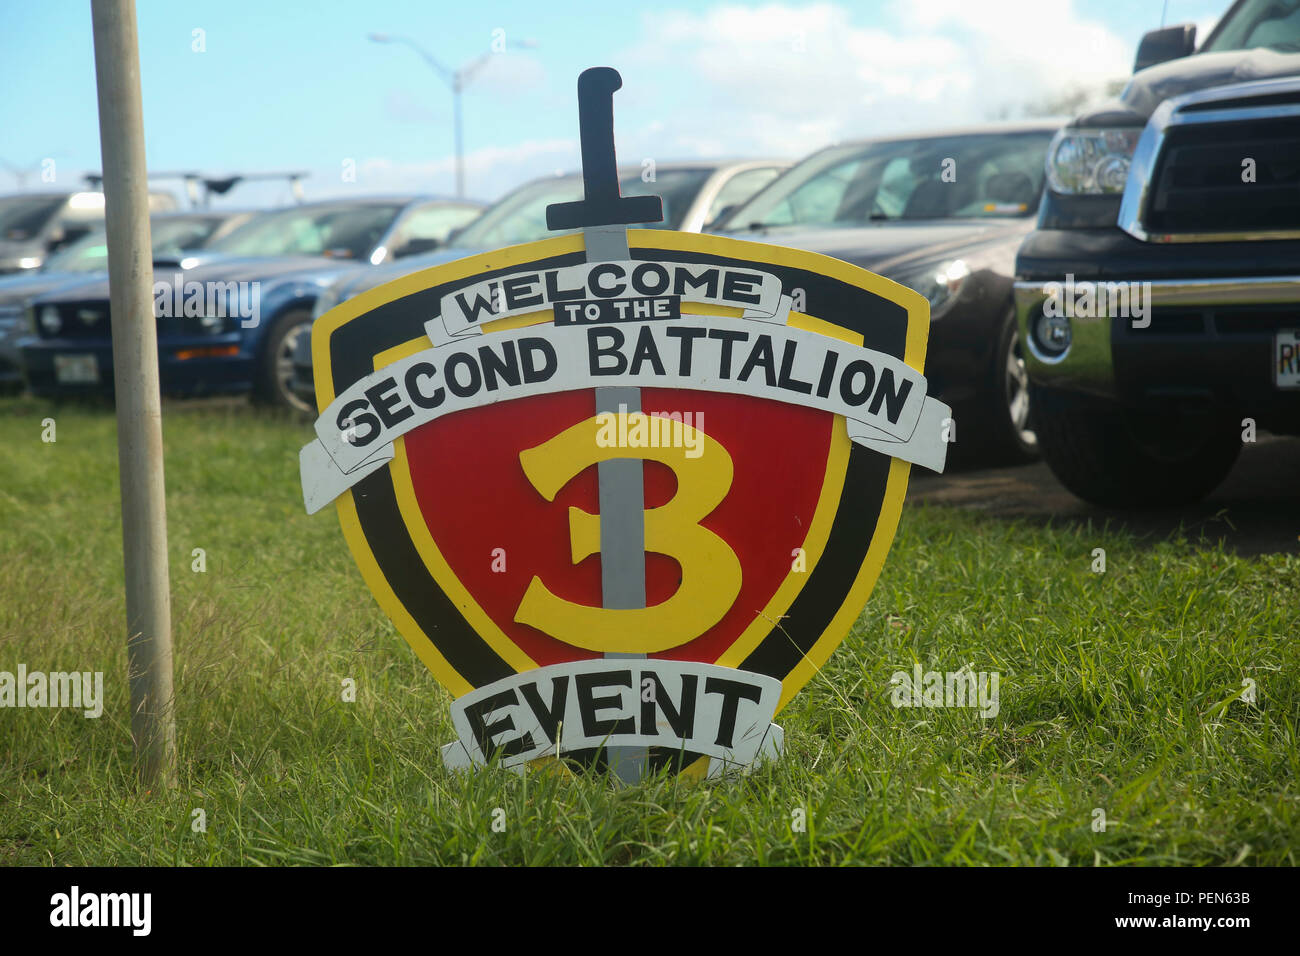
column 275, row 364
column 997, row 428
column 1020, row 440
column 1133, row 458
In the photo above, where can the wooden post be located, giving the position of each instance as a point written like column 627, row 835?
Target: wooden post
column 135, row 375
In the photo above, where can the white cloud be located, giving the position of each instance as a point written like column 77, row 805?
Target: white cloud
column 488, row 171
column 784, row 80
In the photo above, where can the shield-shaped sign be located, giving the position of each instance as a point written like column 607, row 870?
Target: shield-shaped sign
column 622, row 490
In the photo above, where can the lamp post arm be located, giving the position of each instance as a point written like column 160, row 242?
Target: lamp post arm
column 466, row 72
column 438, row 67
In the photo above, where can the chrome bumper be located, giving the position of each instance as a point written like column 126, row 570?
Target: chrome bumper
column 1087, row 365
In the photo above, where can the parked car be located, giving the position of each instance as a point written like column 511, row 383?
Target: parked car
column 173, row 233
column 256, row 287
column 942, row 213
column 32, row 225
column 694, row 196
column 1178, row 204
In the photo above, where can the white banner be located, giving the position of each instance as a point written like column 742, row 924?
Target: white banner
column 718, row 712
column 883, row 398
column 465, row 310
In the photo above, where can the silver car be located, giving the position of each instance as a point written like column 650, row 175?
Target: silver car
column 695, row 196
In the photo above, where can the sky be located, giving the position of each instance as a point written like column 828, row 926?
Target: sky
column 240, row 86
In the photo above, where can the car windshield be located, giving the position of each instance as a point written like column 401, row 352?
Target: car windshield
column 87, row 254
column 175, row 234
column 1258, row 23
column 342, row 231
column 521, row 216
column 968, row 176
column 22, row 217
column 170, row 237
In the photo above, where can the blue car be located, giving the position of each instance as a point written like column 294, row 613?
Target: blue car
column 230, row 315
column 86, row 260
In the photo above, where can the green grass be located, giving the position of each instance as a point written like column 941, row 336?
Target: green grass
column 1118, row 691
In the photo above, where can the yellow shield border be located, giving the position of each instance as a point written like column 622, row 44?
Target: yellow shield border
column 472, row 267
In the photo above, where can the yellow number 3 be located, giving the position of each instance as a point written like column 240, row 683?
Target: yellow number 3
column 710, row 569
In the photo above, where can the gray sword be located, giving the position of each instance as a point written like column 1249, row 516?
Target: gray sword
column 603, row 215
column 622, row 508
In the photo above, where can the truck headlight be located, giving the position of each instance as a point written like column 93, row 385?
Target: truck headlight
column 50, row 320
column 1091, row 162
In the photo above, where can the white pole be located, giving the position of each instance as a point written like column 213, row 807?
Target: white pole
column 135, row 375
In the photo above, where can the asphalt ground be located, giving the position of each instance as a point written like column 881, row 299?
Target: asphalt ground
column 1256, row 510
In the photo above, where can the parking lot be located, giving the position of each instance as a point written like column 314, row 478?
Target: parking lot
column 1255, row 511
column 703, row 434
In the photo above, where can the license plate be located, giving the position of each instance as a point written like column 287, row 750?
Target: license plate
column 1286, row 353
column 76, row 369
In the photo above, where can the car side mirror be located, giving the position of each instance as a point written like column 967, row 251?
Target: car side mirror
column 414, row 247
column 1161, row 46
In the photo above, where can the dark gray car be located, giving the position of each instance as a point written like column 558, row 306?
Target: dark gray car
column 942, row 213
column 1159, row 297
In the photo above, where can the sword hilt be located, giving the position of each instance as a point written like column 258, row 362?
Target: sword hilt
column 603, row 204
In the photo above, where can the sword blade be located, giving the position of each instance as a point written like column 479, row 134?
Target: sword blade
column 622, row 508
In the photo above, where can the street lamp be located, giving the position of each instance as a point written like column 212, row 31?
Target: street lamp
column 456, row 79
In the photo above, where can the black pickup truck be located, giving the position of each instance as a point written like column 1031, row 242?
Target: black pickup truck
column 1159, row 296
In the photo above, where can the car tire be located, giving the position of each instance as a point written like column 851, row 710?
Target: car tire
column 275, row 362
column 998, row 427
column 1122, row 457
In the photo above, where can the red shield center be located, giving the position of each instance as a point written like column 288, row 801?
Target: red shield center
column 475, row 498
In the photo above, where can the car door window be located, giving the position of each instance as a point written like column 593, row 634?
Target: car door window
column 343, row 231
column 677, row 188
column 739, row 188
column 897, row 183
column 818, row 199
column 23, row 217
column 428, row 226
column 1257, row 23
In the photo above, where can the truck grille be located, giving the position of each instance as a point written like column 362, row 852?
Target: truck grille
column 1199, row 188
column 80, row 320
column 90, row 320
column 1219, row 165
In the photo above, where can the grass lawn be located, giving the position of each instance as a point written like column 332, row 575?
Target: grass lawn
column 1119, row 691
